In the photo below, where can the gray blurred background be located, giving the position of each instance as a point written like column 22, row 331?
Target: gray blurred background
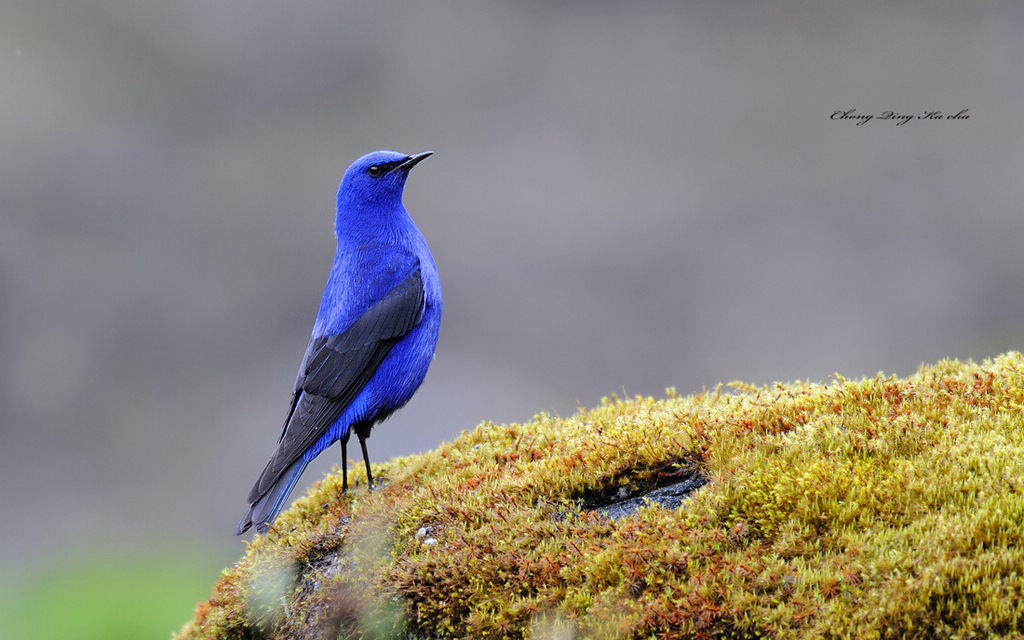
column 623, row 197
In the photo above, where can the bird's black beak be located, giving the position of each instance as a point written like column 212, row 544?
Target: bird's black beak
column 413, row 160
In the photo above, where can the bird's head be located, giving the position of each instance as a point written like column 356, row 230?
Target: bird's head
column 376, row 180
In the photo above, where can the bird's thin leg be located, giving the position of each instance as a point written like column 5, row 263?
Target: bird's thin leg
column 344, row 466
column 366, row 459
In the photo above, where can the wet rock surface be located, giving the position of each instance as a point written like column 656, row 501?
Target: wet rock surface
column 624, row 502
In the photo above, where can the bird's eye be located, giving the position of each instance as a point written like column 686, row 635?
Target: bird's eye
column 375, row 171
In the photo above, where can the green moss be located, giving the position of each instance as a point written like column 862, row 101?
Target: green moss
column 876, row 508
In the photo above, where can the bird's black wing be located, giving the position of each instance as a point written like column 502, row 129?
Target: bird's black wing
column 335, row 369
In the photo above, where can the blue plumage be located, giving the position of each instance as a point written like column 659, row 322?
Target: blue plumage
column 374, row 335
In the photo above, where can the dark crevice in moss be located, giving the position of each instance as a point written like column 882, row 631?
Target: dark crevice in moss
column 668, row 486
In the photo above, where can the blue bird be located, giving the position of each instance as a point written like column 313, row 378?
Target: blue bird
column 374, row 335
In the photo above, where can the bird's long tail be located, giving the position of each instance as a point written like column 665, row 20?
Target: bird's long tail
column 264, row 511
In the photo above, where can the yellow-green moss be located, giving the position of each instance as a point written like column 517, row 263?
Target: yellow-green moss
column 881, row 508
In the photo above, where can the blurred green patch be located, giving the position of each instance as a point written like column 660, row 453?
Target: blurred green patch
column 113, row 599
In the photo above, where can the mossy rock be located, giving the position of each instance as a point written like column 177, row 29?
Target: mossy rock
column 881, row 508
